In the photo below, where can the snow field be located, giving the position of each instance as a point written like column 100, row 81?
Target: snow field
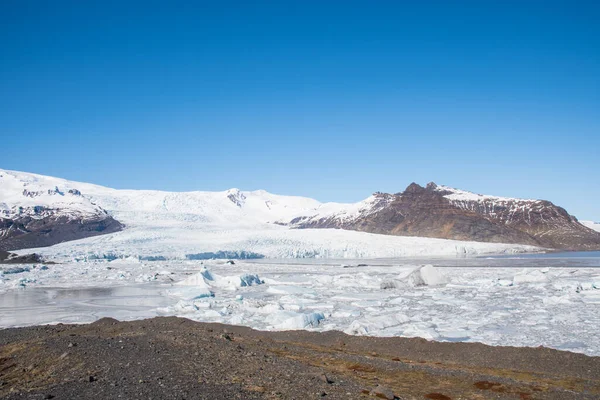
column 592, row 225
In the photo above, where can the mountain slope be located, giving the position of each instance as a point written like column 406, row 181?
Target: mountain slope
column 33, row 195
column 443, row 212
column 550, row 225
column 193, row 224
column 36, row 212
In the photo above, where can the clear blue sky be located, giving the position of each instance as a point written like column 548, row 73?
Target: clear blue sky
column 328, row 99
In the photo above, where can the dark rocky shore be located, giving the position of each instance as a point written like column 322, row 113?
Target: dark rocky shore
column 175, row 358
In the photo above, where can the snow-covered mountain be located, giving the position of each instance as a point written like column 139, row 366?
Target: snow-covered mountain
column 444, row 212
column 592, row 225
column 38, row 211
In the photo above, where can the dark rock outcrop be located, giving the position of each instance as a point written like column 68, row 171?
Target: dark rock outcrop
column 11, row 258
column 25, row 231
column 439, row 212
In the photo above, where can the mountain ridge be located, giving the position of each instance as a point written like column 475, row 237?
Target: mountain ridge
column 37, row 211
column 448, row 213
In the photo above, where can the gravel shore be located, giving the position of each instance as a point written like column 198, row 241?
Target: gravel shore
column 175, row 358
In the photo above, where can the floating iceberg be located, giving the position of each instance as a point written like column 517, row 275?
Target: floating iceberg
column 427, row 275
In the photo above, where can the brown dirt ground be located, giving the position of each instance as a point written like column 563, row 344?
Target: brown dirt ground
column 175, row 358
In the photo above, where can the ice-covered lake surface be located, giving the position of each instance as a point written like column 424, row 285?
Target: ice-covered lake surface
column 551, row 300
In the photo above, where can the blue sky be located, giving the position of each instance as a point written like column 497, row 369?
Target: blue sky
column 328, row 99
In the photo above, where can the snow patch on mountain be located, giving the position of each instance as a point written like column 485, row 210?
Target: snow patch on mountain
column 592, row 225
column 463, row 195
column 502, row 208
column 345, row 212
column 38, row 196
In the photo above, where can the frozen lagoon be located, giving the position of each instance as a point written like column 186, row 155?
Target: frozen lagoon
column 551, row 300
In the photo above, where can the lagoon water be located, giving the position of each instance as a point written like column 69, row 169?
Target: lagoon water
column 521, row 300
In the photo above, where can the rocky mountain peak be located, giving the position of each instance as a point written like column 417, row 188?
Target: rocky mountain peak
column 236, row 197
column 413, row 188
column 447, row 213
column 431, row 186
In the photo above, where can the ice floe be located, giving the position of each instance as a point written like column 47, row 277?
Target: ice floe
column 556, row 307
column 534, row 276
column 427, row 275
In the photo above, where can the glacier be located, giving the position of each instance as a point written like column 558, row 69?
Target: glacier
column 177, row 225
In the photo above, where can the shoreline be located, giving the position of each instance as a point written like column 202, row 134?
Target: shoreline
column 172, row 357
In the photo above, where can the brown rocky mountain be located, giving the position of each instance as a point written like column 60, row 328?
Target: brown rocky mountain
column 442, row 212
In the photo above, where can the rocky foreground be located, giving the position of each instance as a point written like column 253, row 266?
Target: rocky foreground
column 175, row 358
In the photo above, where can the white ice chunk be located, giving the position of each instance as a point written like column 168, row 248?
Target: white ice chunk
column 197, row 280
column 261, row 307
column 534, row 276
column 375, row 324
column 190, row 293
column 289, row 320
column 185, row 307
column 554, row 300
column 126, row 260
column 427, row 275
column 422, row 330
column 284, row 289
column 205, row 280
